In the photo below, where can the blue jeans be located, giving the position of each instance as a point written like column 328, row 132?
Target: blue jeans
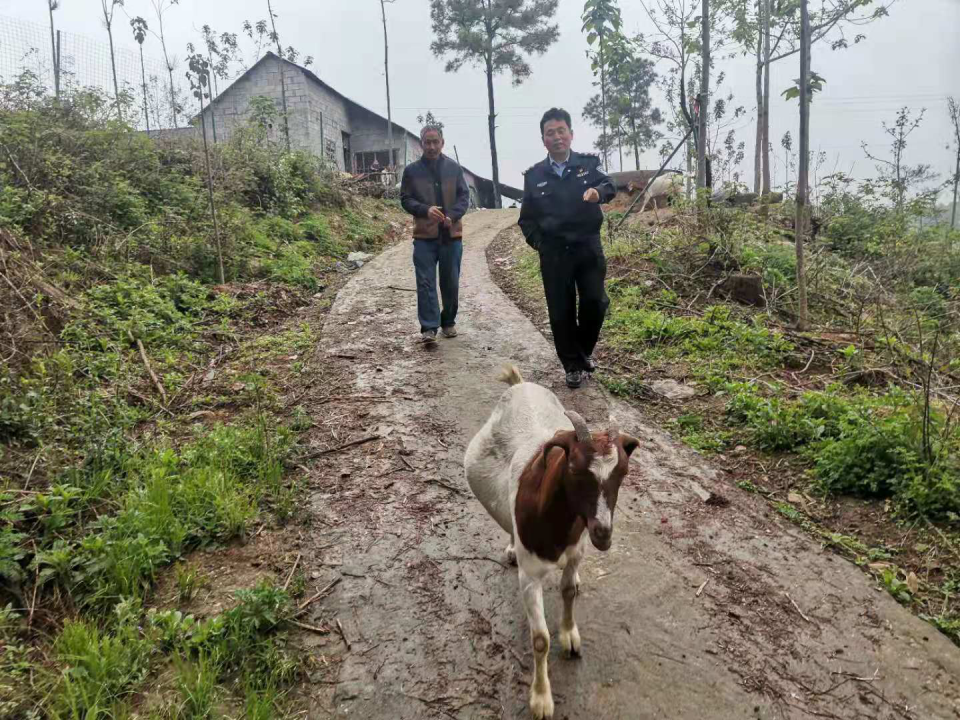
column 427, row 255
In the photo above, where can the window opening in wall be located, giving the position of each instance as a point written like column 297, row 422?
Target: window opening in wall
column 347, row 155
column 363, row 161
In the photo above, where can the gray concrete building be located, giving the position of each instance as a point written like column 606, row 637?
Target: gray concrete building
column 322, row 120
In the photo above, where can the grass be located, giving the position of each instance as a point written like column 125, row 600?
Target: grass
column 767, row 399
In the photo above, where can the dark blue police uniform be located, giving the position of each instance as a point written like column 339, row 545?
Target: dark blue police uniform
column 565, row 230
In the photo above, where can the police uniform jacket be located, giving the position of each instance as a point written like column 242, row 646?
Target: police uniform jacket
column 554, row 212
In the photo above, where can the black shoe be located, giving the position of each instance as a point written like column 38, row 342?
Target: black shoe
column 591, row 364
column 574, row 379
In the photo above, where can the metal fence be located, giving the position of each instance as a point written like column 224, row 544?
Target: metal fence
column 144, row 81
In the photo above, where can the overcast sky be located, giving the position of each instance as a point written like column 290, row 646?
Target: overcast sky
column 910, row 58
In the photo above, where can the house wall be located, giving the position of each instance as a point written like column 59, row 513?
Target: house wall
column 317, row 117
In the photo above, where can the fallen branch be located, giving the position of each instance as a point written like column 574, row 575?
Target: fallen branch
column 311, row 628
column 292, row 571
column 797, row 608
column 442, row 484
column 146, row 362
column 701, row 588
column 403, row 289
column 303, row 606
column 345, row 446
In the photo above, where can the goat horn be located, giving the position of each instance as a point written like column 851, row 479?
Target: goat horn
column 614, row 432
column 580, row 426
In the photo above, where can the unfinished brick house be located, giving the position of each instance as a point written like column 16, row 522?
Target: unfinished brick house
column 322, row 120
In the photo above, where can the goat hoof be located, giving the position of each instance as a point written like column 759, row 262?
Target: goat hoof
column 511, row 556
column 541, row 704
column 570, row 642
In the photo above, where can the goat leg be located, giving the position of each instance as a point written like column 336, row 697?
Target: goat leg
column 569, row 588
column 541, row 697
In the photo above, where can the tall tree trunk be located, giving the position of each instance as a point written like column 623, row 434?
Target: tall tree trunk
column 603, row 100
column 691, row 149
column 492, row 119
column 213, row 207
column 108, row 20
column 143, row 80
column 804, row 173
column 704, row 97
column 213, row 80
column 765, row 149
column 166, row 59
column 386, row 72
column 620, row 148
column 636, row 146
column 758, row 154
column 283, row 84
column 956, row 184
column 54, row 53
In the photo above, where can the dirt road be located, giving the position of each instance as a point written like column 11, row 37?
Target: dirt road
column 700, row 610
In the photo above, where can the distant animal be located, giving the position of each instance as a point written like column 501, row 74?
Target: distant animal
column 662, row 190
column 549, row 483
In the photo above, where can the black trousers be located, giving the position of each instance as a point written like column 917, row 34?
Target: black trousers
column 570, row 270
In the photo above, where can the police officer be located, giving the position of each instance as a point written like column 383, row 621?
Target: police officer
column 561, row 219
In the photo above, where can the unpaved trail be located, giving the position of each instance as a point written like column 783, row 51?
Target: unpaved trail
column 781, row 629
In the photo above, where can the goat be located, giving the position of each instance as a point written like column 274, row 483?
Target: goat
column 545, row 479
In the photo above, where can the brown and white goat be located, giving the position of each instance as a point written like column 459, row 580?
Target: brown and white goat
column 546, row 479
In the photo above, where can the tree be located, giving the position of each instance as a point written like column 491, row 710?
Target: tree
column 630, row 110
column 676, row 42
column 898, row 177
column 800, row 223
column 51, row 6
column 772, row 34
column 704, row 101
column 283, row 85
column 109, row 7
column 496, row 35
column 198, row 76
column 139, row 26
column 429, row 119
column 953, row 108
column 160, row 7
column 786, row 142
column 225, row 51
column 386, row 72
column 601, row 19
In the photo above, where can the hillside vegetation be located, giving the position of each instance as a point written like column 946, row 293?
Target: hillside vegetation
column 140, row 401
column 852, row 430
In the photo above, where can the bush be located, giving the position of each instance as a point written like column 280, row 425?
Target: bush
column 862, row 445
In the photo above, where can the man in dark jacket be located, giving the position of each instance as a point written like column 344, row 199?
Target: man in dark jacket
column 561, row 219
column 435, row 192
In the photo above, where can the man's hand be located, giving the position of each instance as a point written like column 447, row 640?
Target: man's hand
column 448, row 223
column 436, row 213
column 591, row 196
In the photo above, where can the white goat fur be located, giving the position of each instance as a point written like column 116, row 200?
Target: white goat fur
column 526, row 416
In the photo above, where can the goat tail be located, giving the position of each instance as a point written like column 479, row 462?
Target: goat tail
column 511, row 375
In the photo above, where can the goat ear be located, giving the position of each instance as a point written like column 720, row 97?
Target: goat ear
column 629, row 443
column 562, row 440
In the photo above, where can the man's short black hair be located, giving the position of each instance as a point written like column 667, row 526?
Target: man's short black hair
column 555, row 114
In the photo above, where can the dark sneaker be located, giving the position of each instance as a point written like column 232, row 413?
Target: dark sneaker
column 449, row 332
column 574, row 378
column 591, row 364
column 429, row 337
